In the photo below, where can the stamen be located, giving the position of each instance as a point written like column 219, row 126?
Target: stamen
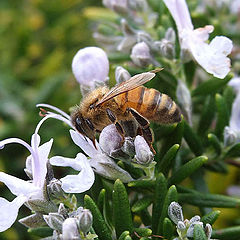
column 42, row 112
column 54, row 109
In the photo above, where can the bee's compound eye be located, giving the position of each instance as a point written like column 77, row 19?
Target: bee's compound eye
column 78, row 121
column 79, row 124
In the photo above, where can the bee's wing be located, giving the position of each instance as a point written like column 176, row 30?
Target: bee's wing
column 128, row 85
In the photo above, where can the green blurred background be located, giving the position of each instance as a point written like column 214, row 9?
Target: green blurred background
column 38, row 39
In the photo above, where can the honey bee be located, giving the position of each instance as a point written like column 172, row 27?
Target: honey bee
column 126, row 101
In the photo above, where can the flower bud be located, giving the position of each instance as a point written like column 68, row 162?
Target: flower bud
column 181, row 226
column 90, row 65
column 110, row 140
column 230, row 136
column 208, row 230
column 191, row 228
column 141, row 55
column 70, row 229
column 55, row 190
column 175, row 212
column 120, row 7
column 184, row 99
column 85, row 221
column 195, row 219
column 54, row 221
column 170, row 35
column 144, row 155
column 33, row 221
column 121, row 74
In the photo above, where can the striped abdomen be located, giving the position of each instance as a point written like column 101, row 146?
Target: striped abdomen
column 151, row 104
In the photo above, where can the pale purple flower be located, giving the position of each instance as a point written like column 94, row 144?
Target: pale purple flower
column 99, row 162
column 25, row 190
column 232, row 132
column 213, row 56
column 90, row 66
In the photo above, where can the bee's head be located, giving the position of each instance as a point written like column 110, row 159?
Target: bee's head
column 83, row 125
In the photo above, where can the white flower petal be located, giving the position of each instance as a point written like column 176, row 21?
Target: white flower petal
column 90, row 64
column 75, row 183
column 86, row 146
column 203, row 33
column 180, row 13
column 213, row 62
column 9, row 211
column 18, row 186
column 76, row 163
column 221, row 44
column 235, row 115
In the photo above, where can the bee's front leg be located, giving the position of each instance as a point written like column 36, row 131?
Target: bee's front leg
column 113, row 119
column 145, row 129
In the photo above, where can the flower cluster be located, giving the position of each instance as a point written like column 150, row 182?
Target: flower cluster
column 185, row 227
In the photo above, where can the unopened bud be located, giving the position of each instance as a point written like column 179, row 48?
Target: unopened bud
column 184, row 99
column 229, row 136
column 166, row 48
column 141, row 54
column 170, row 35
column 89, row 65
column 195, row 219
column 144, row 155
column 121, row 74
column 70, row 229
column 181, row 226
column 54, row 221
column 85, row 220
column 120, row 7
column 208, row 231
column 110, row 140
column 175, row 212
column 191, row 229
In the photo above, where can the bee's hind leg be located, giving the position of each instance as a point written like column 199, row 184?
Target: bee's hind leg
column 144, row 128
column 113, row 119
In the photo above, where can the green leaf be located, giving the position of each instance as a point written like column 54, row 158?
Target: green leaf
column 101, row 198
column 167, row 228
column 222, row 115
column 166, row 162
column 207, row 115
column 123, row 235
column 210, row 217
column 198, row 233
column 209, row 200
column 211, row 86
column 172, row 196
column 121, row 209
column 232, row 233
column 187, row 170
column 215, row 143
column 192, row 140
column 128, row 238
column 174, row 138
column 229, row 97
column 141, row 204
column 99, row 224
column 144, row 183
column 159, row 197
column 41, row 231
column 143, row 232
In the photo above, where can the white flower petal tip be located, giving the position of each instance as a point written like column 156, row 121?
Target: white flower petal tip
column 212, row 57
column 75, row 183
column 9, row 211
column 89, row 65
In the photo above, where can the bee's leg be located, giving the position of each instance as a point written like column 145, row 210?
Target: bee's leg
column 145, row 129
column 113, row 119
